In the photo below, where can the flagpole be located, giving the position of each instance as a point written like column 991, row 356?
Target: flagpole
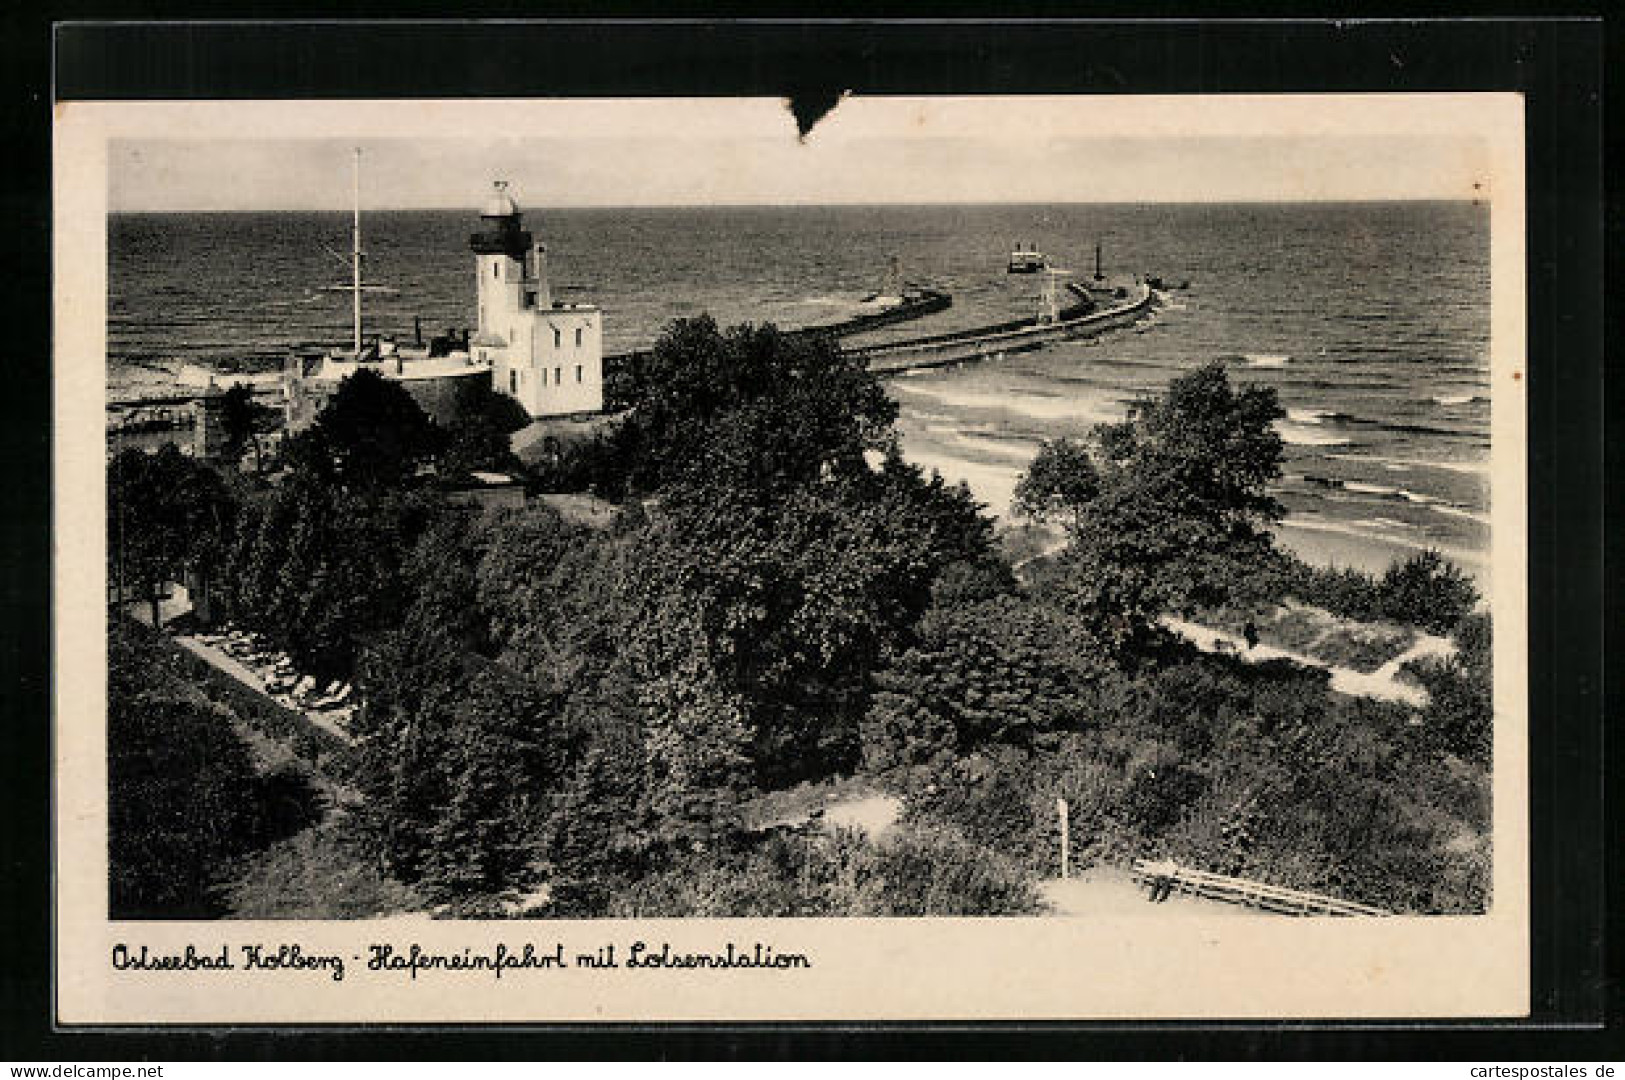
column 355, row 252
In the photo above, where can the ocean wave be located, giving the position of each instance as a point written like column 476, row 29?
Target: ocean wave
column 1468, row 559
column 1266, row 360
column 1381, row 491
column 1321, row 416
column 1456, row 399
column 997, row 446
column 1037, row 406
column 1468, row 468
column 1300, row 436
column 1452, row 510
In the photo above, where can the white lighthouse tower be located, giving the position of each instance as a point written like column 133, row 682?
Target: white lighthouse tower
column 547, row 356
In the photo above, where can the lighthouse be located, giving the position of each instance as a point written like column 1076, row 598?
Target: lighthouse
column 548, row 356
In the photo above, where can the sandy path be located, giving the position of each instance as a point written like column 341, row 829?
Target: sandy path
column 874, row 814
column 1382, row 684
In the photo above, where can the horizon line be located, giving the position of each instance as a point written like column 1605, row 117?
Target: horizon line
column 544, row 208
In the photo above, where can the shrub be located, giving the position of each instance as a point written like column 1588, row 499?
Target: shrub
column 320, row 873
column 1427, row 591
column 938, row 873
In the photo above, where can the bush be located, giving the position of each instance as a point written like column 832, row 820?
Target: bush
column 1460, row 716
column 937, row 873
column 1427, row 591
column 320, row 873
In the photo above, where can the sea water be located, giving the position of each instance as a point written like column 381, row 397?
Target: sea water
column 1371, row 320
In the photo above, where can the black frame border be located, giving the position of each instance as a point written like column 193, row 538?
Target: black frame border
column 1556, row 63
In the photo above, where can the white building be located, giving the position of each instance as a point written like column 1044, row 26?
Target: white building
column 548, row 356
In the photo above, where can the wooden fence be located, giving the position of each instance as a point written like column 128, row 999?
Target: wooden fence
column 1235, row 890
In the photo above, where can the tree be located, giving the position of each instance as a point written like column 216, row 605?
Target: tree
column 317, row 566
column 1060, row 483
column 750, row 405
column 165, row 514
column 241, row 418
column 371, row 434
column 1183, row 513
column 480, row 432
column 801, row 596
column 1006, row 672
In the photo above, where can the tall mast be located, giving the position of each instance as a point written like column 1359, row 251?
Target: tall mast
column 355, row 252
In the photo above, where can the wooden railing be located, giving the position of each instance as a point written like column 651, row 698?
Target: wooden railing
column 1234, row 890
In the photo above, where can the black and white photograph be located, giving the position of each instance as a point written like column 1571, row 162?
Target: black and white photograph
column 1075, row 515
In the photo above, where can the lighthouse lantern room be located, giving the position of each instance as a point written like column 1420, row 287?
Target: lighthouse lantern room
column 548, row 356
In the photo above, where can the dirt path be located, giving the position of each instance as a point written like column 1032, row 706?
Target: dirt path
column 1382, row 684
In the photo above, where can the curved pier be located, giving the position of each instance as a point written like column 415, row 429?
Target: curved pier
column 940, row 350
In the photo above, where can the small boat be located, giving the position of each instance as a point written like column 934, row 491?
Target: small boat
column 1025, row 259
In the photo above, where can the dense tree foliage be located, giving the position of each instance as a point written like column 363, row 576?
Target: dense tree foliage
column 316, row 567
column 801, row 599
column 1426, row 590
column 479, row 431
column 747, row 407
column 165, row 514
column 371, row 434
column 1059, row 484
column 243, row 421
column 1183, row 511
column 1460, row 716
column 1000, row 672
column 581, row 713
column 185, row 796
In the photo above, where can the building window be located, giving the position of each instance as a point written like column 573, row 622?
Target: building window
column 513, row 381
column 578, row 373
column 496, row 270
column 558, row 376
column 578, row 337
column 558, row 338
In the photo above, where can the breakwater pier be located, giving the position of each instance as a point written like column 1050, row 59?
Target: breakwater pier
column 987, row 342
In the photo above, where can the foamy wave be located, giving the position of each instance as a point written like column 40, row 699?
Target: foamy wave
column 1469, row 468
column 1298, row 436
column 1265, row 360
column 1370, row 489
column 1462, row 512
column 1034, row 406
column 1455, row 399
column 1308, row 416
column 1006, row 448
